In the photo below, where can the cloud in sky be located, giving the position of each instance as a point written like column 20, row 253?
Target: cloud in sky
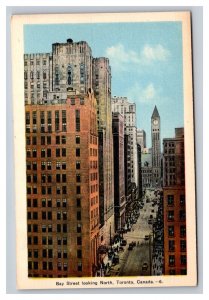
column 143, row 94
column 120, row 57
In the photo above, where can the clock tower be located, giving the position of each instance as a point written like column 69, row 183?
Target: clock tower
column 156, row 153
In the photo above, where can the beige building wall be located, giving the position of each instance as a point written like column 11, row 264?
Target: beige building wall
column 128, row 110
column 37, row 81
column 102, row 88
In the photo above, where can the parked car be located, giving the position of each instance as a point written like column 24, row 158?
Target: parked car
column 134, row 244
column 145, row 266
column 123, row 243
column 130, row 247
column 115, row 260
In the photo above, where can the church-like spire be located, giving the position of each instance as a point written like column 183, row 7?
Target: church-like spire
column 155, row 113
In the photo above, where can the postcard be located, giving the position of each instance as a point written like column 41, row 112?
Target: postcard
column 104, row 150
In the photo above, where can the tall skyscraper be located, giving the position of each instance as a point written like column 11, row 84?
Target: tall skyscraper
column 127, row 172
column 62, row 187
column 102, row 88
column 59, row 87
column 128, row 110
column 175, row 257
column 119, row 183
column 156, row 152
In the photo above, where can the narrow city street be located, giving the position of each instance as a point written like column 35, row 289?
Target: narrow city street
column 137, row 261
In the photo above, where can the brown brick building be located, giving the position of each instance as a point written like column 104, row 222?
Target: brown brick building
column 70, row 67
column 175, row 256
column 62, row 187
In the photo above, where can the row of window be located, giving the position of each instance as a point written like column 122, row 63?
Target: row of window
column 93, row 139
column 93, row 152
column 170, row 200
column 46, row 165
column 94, row 200
column 46, row 140
column 94, row 212
column 48, row 190
column 63, row 189
column 59, row 178
column 172, row 260
column 94, row 188
column 59, row 152
column 49, row 253
column 93, row 176
column 171, row 231
column 33, row 228
column 182, row 272
column 38, row 74
column 93, row 164
column 44, row 61
column 35, row 240
column 50, row 266
column 48, row 215
column 170, row 215
column 58, row 202
column 47, row 129
column 38, row 85
column 171, row 245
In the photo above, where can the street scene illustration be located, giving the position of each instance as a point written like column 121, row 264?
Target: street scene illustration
column 104, row 142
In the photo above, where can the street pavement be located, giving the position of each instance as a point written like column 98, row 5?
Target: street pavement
column 131, row 261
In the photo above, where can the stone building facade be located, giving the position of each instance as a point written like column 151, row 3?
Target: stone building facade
column 128, row 110
column 127, row 172
column 102, row 87
column 141, row 138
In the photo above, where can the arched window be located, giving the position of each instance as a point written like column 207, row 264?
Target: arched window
column 25, row 75
column 31, row 75
column 82, row 73
column 69, row 75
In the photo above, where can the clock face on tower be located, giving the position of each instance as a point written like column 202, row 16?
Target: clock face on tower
column 155, row 122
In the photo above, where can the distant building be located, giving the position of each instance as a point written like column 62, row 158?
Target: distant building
column 127, row 170
column 146, row 168
column 119, row 184
column 141, row 138
column 175, row 249
column 128, row 111
column 140, row 172
column 156, row 152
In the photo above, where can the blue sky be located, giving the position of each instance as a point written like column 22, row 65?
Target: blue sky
column 146, row 62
